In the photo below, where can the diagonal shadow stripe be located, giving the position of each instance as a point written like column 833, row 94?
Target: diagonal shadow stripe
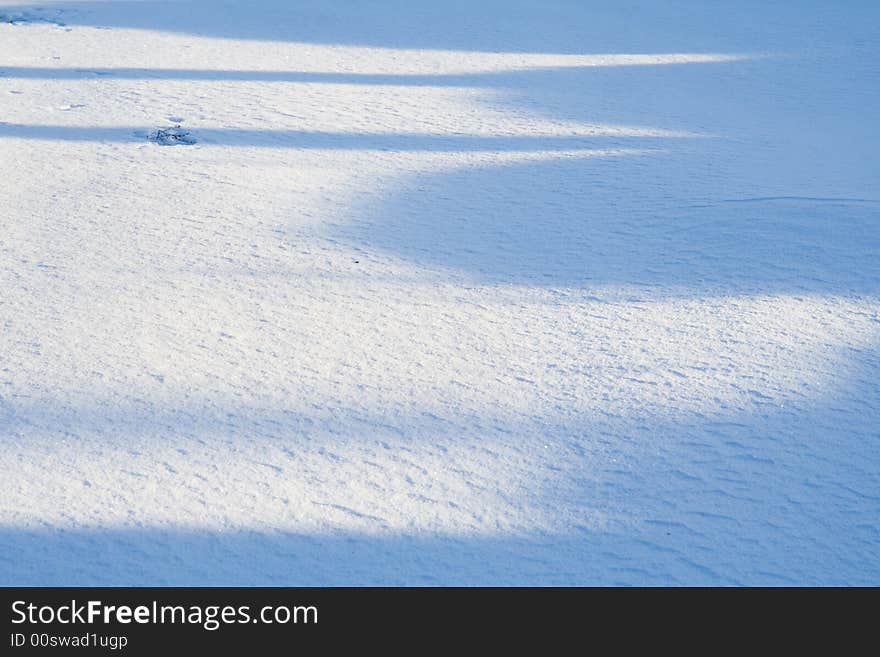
column 461, row 79
column 310, row 139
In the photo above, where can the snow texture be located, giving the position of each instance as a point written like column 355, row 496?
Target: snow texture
column 506, row 292
column 173, row 136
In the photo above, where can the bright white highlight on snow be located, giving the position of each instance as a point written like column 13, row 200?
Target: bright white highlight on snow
column 434, row 297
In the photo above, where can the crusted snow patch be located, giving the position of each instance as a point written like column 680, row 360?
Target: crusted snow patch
column 174, row 136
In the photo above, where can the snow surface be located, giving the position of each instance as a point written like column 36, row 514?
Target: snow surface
column 505, row 292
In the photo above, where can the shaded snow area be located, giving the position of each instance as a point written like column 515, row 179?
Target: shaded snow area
column 385, row 292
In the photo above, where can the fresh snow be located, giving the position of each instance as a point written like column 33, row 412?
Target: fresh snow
column 505, row 292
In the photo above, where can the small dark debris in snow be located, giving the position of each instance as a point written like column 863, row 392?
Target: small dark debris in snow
column 174, row 136
column 25, row 18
